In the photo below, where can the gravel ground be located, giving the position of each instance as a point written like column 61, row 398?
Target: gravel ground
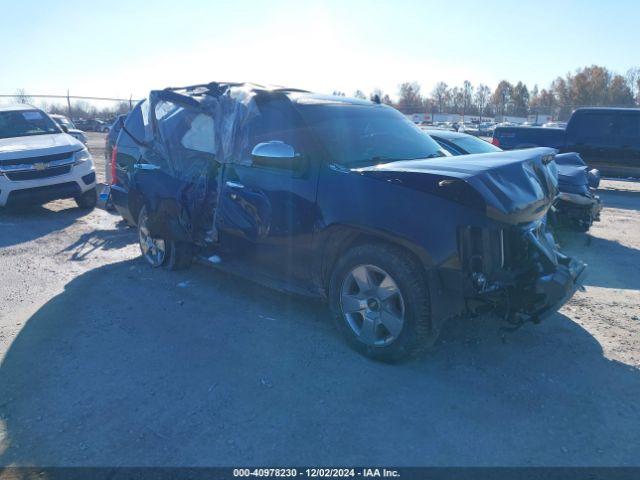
column 107, row 362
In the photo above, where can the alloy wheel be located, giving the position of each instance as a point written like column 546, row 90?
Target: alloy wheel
column 153, row 249
column 372, row 305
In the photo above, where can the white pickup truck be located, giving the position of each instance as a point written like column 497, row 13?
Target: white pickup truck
column 39, row 162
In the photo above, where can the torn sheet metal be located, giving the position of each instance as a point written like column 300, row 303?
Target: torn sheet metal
column 573, row 171
column 191, row 133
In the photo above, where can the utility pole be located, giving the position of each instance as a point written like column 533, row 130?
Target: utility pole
column 69, row 105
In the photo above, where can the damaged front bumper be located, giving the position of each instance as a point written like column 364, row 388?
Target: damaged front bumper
column 558, row 287
column 581, row 210
column 518, row 274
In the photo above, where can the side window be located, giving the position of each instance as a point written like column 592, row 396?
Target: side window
column 628, row 129
column 597, row 128
column 133, row 124
column 277, row 121
column 449, row 147
column 188, row 137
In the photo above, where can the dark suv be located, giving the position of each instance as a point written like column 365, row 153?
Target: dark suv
column 605, row 138
column 343, row 199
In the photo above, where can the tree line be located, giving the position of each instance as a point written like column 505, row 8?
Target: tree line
column 76, row 109
column 588, row 86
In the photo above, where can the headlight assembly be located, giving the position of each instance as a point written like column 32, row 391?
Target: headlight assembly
column 81, row 156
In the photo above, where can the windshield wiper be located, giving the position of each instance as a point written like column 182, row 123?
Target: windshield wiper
column 377, row 160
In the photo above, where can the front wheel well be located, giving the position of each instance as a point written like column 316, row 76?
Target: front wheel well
column 344, row 241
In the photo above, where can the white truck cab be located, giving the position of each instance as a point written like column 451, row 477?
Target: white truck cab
column 39, row 162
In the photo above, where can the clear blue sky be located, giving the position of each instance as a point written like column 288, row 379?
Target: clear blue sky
column 122, row 48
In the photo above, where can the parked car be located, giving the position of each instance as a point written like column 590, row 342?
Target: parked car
column 605, row 138
column 39, row 162
column 93, row 125
column 458, row 143
column 576, row 206
column 515, row 138
column 469, row 129
column 344, row 199
column 109, row 142
column 485, row 129
column 69, row 127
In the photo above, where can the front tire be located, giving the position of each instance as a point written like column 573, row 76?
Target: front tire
column 88, row 200
column 379, row 298
column 159, row 252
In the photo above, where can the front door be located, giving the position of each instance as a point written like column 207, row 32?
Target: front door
column 267, row 214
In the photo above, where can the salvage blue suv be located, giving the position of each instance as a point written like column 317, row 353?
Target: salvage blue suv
column 343, row 199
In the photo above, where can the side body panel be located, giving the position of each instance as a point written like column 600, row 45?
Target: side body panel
column 267, row 218
column 128, row 155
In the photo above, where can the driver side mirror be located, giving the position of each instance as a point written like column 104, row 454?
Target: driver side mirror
column 64, row 128
column 276, row 154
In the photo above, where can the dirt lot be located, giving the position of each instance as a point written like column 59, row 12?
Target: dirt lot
column 106, row 361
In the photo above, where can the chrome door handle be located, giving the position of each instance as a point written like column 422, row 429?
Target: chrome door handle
column 234, row 185
column 150, row 167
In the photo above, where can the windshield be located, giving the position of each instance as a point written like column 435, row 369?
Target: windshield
column 64, row 121
column 23, row 123
column 474, row 145
column 358, row 135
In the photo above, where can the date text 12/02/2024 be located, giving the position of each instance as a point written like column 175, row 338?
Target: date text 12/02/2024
column 316, row 472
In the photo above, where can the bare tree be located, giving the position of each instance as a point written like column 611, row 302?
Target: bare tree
column 441, row 95
column 502, row 96
column 520, row 97
column 381, row 96
column 21, row 96
column 410, row 100
column 467, row 97
column 633, row 80
column 359, row 94
column 456, row 99
column 619, row 92
column 482, row 98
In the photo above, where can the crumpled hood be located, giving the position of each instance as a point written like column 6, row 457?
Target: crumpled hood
column 573, row 172
column 516, row 186
column 37, row 145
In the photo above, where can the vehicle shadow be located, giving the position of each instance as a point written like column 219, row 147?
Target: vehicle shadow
column 618, row 198
column 132, row 366
column 88, row 243
column 610, row 263
column 35, row 221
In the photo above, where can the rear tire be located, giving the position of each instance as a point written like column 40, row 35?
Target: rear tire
column 402, row 319
column 88, row 200
column 159, row 252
